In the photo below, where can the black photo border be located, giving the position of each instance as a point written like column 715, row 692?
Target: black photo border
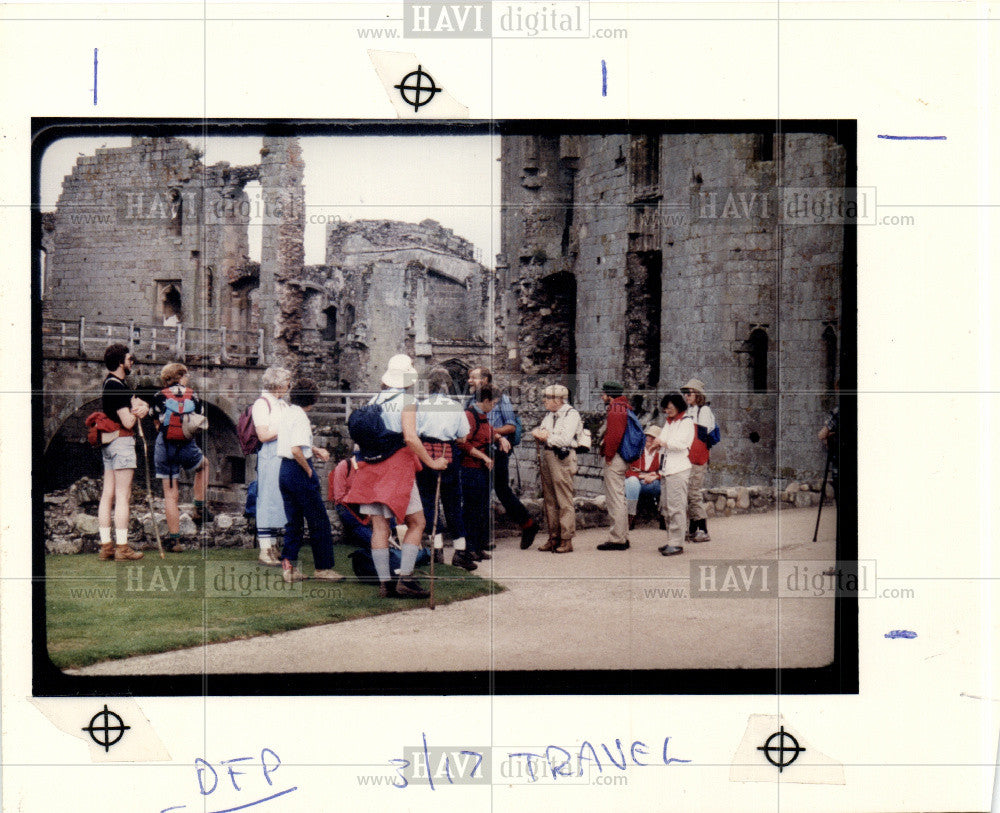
column 839, row 677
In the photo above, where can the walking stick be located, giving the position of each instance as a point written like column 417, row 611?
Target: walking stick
column 149, row 489
column 822, row 492
column 437, row 500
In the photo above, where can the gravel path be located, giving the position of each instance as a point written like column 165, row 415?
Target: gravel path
column 586, row 610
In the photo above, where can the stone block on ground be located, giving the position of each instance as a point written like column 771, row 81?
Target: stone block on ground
column 85, row 524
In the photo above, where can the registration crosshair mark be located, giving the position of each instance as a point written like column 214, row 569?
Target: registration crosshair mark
column 794, row 749
column 430, row 89
column 119, row 728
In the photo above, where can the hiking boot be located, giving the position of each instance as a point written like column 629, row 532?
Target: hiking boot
column 464, row 560
column 290, row 573
column 123, row 553
column 481, row 556
column 176, row 547
column 269, row 558
column 107, row 552
column 327, row 575
column 387, row 590
column 609, row 545
column 490, row 546
column 565, row 547
column 528, row 534
column 701, row 536
column 671, row 550
column 552, row 544
column 410, row 588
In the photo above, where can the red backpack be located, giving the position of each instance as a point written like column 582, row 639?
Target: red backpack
column 176, row 406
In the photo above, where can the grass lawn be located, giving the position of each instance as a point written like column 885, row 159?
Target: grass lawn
column 98, row 611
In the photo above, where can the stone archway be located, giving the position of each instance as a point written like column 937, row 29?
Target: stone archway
column 68, row 456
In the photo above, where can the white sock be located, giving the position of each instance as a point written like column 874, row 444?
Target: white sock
column 105, row 535
column 266, row 543
column 121, row 536
column 459, row 544
column 380, row 556
column 409, row 556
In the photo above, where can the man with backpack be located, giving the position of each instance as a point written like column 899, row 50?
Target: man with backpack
column 123, row 410
column 176, row 449
column 612, row 394
column 503, row 418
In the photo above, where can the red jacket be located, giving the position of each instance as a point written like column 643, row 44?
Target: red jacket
column 617, row 421
column 481, row 437
column 389, row 482
column 636, row 468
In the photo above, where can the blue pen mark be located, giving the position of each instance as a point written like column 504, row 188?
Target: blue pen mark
column 95, row 77
column 258, row 802
column 901, row 634
column 914, row 138
column 604, row 78
column 427, row 761
column 175, row 807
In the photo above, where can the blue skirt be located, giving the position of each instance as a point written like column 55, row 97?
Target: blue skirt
column 270, row 505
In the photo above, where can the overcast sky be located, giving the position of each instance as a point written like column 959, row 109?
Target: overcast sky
column 452, row 179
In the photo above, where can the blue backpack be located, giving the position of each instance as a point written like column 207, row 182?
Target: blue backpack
column 633, row 441
column 367, row 429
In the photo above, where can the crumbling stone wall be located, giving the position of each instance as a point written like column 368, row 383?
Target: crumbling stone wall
column 132, row 220
column 665, row 289
column 282, row 252
column 402, row 287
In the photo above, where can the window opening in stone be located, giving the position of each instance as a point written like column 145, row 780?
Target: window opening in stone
column 758, row 359
column 764, row 147
column 176, row 212
column 348, row 318
column 329, row 332
column 169, row 303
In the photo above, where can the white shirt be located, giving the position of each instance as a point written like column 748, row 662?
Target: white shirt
column 564, row 425
column 441, row 418
column 675, row 443
column 702, row 416
column 265, row 418
column 393, row 399
column 295, row 430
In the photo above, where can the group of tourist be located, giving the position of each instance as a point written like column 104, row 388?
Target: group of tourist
column 448, row 459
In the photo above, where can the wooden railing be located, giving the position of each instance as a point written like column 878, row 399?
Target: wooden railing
column 87, row 339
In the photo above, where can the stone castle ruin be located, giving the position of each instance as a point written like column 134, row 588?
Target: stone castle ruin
column 618, row 261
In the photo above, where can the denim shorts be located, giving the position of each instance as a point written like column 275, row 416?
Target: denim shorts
column 119, row 454
column 171, row 457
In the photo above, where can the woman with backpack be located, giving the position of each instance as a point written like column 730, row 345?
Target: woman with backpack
column 267, row 412
column 705, row 434
column 176, row 450
column 387, row 486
